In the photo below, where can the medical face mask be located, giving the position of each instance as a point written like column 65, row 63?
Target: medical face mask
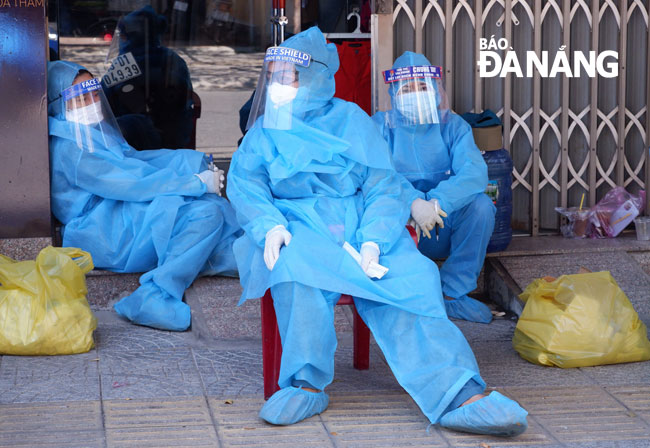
column 88, row 115
column 418, row 108
column 280, row 94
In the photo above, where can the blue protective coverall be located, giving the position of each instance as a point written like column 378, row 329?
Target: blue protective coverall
column 138, row 211
column 330, row 179
column 442, row 161
column 154, row 110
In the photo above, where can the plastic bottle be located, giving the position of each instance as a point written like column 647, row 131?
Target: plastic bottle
column 499, row 189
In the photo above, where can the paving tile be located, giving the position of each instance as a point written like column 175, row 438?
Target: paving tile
column 534, row 436
column 589, row 426
column 580, row 414
column 62, row 424
column 636, row 398
column 53, row 439
column 230, row 373
column 378, row 419
column 60, row 416
column 174, row 422
column 163, row 373
column 30, row 379
column 620, row 374
column 120, row 414
column 162, row 437
column 112, row 337
column 508, row 372
column 552, row 400
column 238, row 424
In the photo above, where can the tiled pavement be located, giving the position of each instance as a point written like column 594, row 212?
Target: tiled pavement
column 146, row 388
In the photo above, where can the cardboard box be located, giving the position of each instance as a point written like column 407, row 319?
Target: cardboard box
column 489, row 138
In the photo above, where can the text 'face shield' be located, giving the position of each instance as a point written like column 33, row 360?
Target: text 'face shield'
column 278, row 89
column 417, row 96
column 89, row 115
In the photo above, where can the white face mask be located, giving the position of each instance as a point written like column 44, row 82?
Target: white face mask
column 88, row 115
column 281, row 94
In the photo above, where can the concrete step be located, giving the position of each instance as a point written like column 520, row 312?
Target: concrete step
column 508, row 273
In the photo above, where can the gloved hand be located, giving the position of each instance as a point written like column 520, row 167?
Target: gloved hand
column 424, row 215
column 369, row 253
column 277, row 237
column 213, row 180
column 427, row 214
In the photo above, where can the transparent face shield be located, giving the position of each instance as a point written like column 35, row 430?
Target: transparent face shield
column 417, row 96
column 278, row 89
column 89, row 115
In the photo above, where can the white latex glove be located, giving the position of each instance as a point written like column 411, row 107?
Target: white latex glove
column 213, row 180
column 427, row 214
column 369, row 253
column 277, row 237
column 424, row 214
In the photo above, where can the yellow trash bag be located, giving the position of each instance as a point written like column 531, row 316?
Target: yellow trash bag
column 43, row 306
column 579, row 320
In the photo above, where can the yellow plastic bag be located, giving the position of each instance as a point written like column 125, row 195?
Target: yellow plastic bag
column 43, row 306
column 579, row 320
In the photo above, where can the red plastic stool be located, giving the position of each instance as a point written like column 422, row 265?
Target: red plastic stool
column 272, row 345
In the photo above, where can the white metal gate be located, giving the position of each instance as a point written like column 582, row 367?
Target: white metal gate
column 567, row 136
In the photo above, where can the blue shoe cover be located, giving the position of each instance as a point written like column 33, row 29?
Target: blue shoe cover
column 495, row 415
column 151, row 306
column 293, row 404
column 466, row 308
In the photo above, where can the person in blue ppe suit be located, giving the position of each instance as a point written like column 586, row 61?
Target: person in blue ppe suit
column 311, row 175
column 148, row 86
column 155, row 211
column 435, row 151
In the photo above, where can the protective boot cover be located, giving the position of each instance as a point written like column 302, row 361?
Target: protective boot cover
column 495, row 415
column 293, row 404
column 469, row 309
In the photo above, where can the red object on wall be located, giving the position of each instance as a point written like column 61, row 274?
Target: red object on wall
column 353, row 82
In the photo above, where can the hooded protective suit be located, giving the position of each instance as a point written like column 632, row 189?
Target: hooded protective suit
column 154, row 109
column 137, row 211
column 329, row 179
column 442, row 161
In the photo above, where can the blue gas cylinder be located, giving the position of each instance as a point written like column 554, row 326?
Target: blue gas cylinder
column 499, row 189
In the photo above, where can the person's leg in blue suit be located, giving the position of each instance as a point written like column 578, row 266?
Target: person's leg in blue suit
column 305, row 318
column 158, row 302
column 429, row 356
column 433, row 362
column 464, row 241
